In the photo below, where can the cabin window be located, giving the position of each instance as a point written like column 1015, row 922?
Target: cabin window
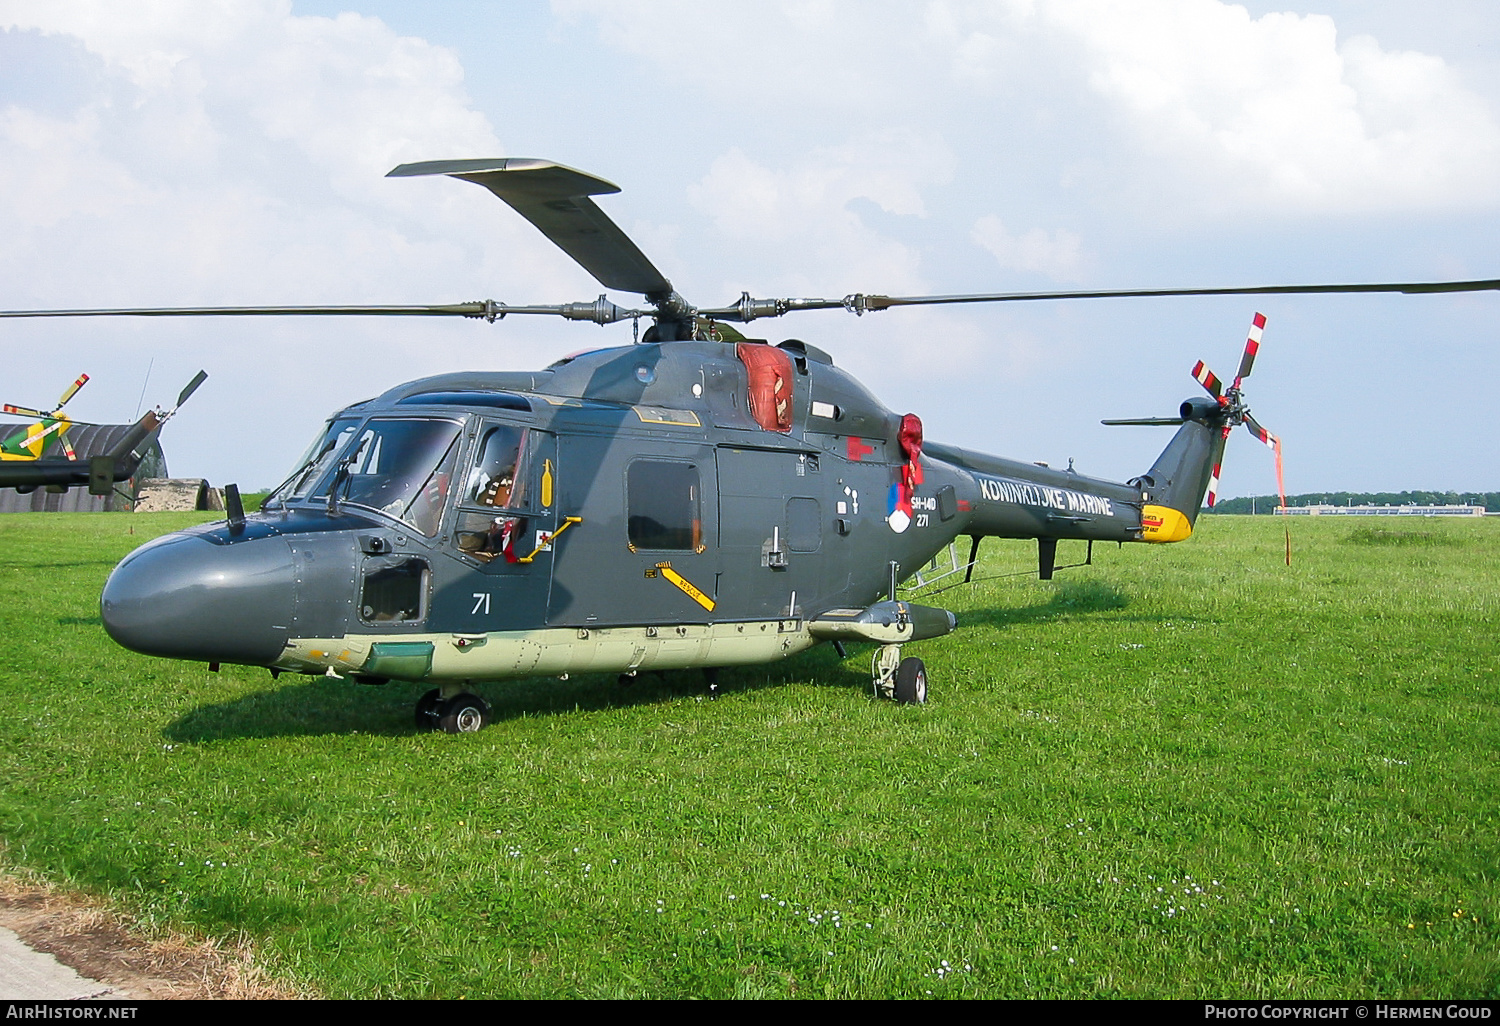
column 497, row 478
column 663, row 505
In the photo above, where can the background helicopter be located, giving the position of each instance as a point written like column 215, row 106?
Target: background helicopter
column 51, row 428
column 696, row 499
column 101, row 470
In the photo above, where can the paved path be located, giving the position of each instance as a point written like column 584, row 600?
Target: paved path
column 27, row 975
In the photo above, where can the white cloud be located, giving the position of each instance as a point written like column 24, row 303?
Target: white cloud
column 1058, row 255
column 1197, row 106
column 806, row 208
column 242, row 149
column 1276, row 112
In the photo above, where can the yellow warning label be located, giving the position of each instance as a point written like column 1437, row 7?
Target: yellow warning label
column 686, row 585
column 546, row 484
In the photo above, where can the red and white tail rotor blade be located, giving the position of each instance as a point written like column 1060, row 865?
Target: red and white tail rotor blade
column 1252, row 346
column 1213, row 478
column 1209, row 380
column 1260, row 432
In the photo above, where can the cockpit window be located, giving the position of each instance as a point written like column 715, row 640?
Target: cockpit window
column 314, row 462
column 403, row 468
column 498, row 475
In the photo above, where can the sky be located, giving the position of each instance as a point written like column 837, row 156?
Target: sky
column 165, row 153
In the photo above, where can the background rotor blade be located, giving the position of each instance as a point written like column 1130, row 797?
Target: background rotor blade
column 71, row 391
column 556, row 200
column 191, row 387
column 1252, row 346
column 23, row 411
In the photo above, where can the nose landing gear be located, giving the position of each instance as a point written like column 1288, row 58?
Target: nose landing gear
column 905, row 680
column 461, row 713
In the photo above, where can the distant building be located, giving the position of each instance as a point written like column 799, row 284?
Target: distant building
column 1412, row 510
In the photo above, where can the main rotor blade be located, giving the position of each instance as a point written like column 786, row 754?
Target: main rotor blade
column 1487, row 285
column 748, row 309
column 556, row 199
column 480, row 309
column 1152, row 421
column 23, row 411
column 600, row 311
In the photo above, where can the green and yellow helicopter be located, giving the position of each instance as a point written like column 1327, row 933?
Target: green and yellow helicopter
column 31, row 441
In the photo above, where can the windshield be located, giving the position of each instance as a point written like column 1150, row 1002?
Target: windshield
column 314, row 462
column 401, row 467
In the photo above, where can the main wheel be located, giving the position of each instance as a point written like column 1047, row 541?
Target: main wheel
column 427, row 709
column 911, row 681
column 464, row 714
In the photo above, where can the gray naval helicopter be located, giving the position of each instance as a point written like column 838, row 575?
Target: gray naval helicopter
column 697, row 499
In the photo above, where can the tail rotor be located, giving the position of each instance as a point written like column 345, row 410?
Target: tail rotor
column 1232, row 411
column 1235, row 410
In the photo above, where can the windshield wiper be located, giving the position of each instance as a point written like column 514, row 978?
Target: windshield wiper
column 341, row 475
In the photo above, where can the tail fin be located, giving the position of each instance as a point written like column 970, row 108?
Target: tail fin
column 1188, row 467
column 1174, row 487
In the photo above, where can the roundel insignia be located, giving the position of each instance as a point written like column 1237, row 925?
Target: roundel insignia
column 898, row 519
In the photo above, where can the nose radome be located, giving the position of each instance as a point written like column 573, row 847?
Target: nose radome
column 186, row 597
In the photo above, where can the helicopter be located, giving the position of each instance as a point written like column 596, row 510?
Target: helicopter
column 101, row 471
column 696, row 499
column 51, row 428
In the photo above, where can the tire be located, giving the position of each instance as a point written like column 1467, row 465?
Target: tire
column 911, row 682
column 464, row 714
column 427, row 710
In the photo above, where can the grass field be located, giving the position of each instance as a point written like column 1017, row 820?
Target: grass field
column 1185, row 771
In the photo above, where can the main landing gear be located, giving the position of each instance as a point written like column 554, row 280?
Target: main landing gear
column 905, row 680
column 460, row 713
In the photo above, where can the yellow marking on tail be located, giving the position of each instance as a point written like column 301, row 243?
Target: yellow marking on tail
column 1163, row 524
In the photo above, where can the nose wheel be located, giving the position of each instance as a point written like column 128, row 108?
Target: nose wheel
column 463, row 713
column 904, row 680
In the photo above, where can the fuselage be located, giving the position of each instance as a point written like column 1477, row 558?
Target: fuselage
column 675, row 504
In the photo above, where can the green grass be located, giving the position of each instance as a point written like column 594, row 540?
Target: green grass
column 1185, row 771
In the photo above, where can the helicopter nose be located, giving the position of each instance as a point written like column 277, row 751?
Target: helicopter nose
column 186, row 597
